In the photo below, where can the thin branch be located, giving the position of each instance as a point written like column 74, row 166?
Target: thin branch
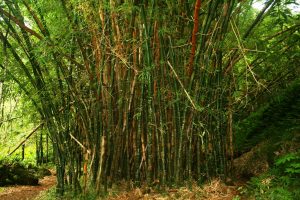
column 20, row 24
column 27, row 137
column 241, row 47
column 293, row 28
column 187, row 94
column 81, row 145
column 36, row 19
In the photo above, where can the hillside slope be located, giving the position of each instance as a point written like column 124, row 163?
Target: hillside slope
column 269, row 144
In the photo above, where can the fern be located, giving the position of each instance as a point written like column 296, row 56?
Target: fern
column 289, row 163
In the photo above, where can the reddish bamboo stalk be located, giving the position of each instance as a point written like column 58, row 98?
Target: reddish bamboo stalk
column 194, row 37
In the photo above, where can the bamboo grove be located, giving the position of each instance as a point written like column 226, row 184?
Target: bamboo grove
column 129, row 89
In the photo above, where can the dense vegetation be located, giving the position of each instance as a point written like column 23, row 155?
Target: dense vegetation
column 274, row 130
column 150, row 92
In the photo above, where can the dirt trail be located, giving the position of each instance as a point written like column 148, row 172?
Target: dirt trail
column 20, row 192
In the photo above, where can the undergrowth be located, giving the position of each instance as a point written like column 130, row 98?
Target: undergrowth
column 276, row 127
column 279, row 115
column 16, row 160
column 281, row 182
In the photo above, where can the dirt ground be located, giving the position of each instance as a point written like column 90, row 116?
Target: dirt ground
column 20, row 192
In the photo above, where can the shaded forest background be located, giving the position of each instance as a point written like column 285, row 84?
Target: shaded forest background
column 151, row 92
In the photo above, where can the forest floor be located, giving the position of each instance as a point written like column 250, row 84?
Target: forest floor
column 24, row 192
column 214, row 190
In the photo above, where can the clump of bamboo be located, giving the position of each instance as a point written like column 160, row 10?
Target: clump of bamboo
column 130, row 94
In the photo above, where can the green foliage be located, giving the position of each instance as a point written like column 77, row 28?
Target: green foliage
column 289, row 164
column 236, row 198
column 267, row 186
column 11, row 161
column 274, row 120
column 245, row 128
column 281, row 182
column 276, row 127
